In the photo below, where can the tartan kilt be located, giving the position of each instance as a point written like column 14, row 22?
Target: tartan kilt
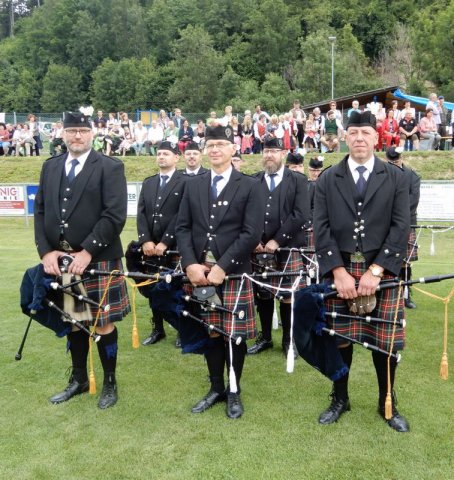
column 378, row 334
column 244, row 327
column 117, row 296
column 412, row 248
column 285, row 262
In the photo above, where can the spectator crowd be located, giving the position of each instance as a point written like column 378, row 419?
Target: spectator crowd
column 300, row 131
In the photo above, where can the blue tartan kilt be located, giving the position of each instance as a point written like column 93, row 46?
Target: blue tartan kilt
column 117, row 295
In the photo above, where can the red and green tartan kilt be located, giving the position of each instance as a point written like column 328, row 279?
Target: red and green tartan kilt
column 117, row 296
column 244, row 327
column 412, row 247
column 378, row 334
column 291, row 262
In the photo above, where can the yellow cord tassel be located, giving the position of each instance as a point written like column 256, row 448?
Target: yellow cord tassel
column 444, row 366
column 91, row 376
column 135, row 337
column 388, row 407
column 135, row 330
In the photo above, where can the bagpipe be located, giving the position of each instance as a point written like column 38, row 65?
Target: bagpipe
column 316, row 341
column 42, row 298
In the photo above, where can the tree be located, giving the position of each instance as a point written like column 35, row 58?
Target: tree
column 197, row 69
column 61, row 89
column 275, row 95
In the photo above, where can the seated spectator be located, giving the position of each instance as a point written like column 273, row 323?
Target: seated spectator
column 338, row 113
column 127, row 142
column 355, row 108
column 125, row 121
column 114, row 139
column 155, row 136
column 56, row 143
column 185, row 136
column 408, row 131
column 247, row 140
column 16, row 135
column 4, row 139
column 310, row 131
column 333, row 130
column 140, row 137
column 99, row 137
column 428, row 130
column 171, row 132
column 403, row 112
column 199, row 134
column 25, row 142
column 390, row 130
column 395, row 109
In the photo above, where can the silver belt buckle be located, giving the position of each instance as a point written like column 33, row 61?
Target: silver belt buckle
column 357, row 257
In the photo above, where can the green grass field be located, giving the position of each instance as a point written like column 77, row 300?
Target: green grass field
column 151, row 434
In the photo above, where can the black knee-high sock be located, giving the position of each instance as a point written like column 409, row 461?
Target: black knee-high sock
column 265, row 307
column 78, row 346
column 215, row 357
column 158, row 320
column 381, row 368
column 341, row 385
column 107, row 349
column 286, row 313
column 238, row 356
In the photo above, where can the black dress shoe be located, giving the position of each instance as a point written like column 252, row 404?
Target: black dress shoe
column 397, row 422
column 259, row 346
column 73, row 388
column 234, row 406
column 332, row 414
column 210, row 399
column 178, row 342
column 155, row 336
column 409, row 303
column 109, row 395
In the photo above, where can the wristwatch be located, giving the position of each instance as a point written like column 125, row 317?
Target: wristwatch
column 376, row 270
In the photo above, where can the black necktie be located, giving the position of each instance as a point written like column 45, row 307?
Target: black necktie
column 214, row 190
column 272, row 181
column 361, row 183
column 72, row 172
column 164, row 179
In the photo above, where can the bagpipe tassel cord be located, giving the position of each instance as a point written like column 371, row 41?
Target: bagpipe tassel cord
column 275, row 318
column 135, row 330
column 388, row 401
column 432, row 244
column 444, row 357
column 233, row 386
column 91, row 376
column 290, row 353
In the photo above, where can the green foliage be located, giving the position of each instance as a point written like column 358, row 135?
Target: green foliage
column 61, row 89
column 197, row 69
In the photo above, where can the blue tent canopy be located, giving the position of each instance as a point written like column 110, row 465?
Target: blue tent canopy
column 419, row 100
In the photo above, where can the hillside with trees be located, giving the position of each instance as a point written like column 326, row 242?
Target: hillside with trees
column 204, row 54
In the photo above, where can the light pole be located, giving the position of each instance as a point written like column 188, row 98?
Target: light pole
column 333, row 41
